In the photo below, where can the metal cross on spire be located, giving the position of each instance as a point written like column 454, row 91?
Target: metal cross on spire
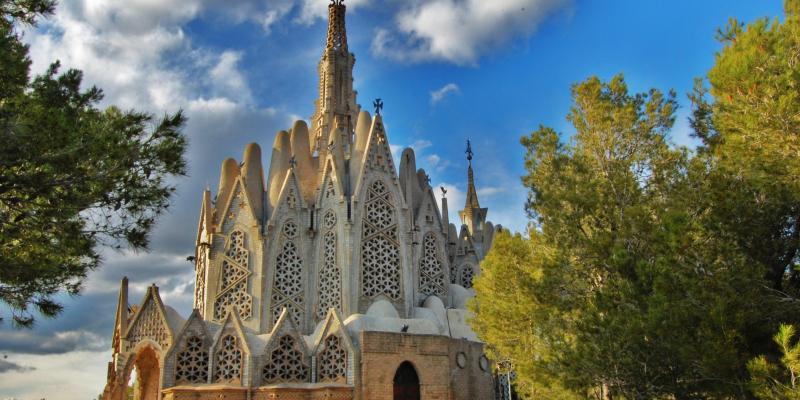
column 378, row 104
column 469, row 152
column 292, row 162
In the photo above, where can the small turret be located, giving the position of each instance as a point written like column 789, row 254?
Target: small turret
column 305, row 168
column 408, row 172
column 253, row 177
column 279, row 164
column 227, row 177
column 123, row 314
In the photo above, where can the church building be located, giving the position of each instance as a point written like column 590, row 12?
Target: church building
column 335, row 275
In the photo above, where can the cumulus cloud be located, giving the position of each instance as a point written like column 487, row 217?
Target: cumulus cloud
column 56, row 343
column 439, row 94
column 458, row 31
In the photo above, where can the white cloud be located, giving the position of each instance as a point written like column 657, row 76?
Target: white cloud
column 68, row 376
column 459, row 31
column 439, row 94
column 229, row 81
column 489, row 191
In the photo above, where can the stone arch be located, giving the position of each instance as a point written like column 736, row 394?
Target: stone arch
column 146, row 362
column 406, row 383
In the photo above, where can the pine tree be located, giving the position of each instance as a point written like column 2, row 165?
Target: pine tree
column 72, row 177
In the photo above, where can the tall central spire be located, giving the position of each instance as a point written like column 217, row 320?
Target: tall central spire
column 336, row 106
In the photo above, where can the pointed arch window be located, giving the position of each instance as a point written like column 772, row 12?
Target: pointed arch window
column 330, row 283
column 235, row 272
column 332, row 361
column 286, row 362
column 380, row 251
column 431, row 274
column 287, row 287
column 467, row 275
column 228, row 359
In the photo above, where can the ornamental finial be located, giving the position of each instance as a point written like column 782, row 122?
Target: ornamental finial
column 469, row 152
column 378, row 104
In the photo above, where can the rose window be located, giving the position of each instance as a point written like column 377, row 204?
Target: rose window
column 329, row 220
column 290, row 229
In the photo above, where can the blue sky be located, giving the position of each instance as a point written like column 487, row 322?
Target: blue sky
column 447, row 70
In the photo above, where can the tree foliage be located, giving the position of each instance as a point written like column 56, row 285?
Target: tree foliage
column 651, row 271
column 72, row 177
column 778, row 382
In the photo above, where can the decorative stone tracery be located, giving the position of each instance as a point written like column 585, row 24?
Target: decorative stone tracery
column 431, row 274
column 192, row 362
column 228, row 365
column 467, row 274
column 330, row 282
column 200, row 281
column 149, row 325
column 332, row 361
column 287, row 288
column 380, row 251
column 286, row 363
column 235, row 272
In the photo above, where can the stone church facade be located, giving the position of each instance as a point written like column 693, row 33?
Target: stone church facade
column 335, row 276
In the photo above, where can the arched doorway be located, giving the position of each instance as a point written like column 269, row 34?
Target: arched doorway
column 406, row 382
column 145, row 385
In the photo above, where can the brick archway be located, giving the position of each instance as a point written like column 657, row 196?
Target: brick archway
column 406, row 383
column 148, row 375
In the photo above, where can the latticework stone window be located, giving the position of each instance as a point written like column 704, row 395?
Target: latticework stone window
column 200, row 282
column 235, row 272
column 287, row 288
column 380, row 251
column 192, row 362
column 467, row 273
column 431, row 274
column 149, row 325
column 228, row 366
column 286, row 363
column 330, row 283
column 332, row 361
